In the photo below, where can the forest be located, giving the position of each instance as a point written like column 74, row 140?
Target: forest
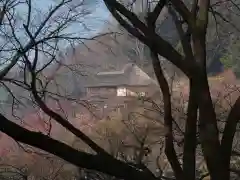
column 119, row 89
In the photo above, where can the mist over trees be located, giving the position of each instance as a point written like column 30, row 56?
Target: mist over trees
column 186, row 129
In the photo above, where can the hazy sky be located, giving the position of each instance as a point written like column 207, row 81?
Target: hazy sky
column 40, row 8
column 94, row 21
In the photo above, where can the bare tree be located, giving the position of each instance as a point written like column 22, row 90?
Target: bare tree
column 31, row 40
column 192, row 63
column 38, row 167
column 28, row 40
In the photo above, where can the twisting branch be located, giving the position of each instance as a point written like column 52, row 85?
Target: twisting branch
column 224, row 19
column 168, row 119
column 104, row 164
column 162, row 47
column 152, row 16
column 228, row 134
column 58, row 117
column 186, row 44
column 190, row 139
column 184, row 12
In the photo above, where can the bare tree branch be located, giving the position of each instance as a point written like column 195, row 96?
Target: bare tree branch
column 228, row 134
column 100, row 163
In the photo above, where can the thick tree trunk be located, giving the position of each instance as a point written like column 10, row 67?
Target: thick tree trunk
column 228, row 135
column 208, row 130
column 195, row 69
column 189, row 153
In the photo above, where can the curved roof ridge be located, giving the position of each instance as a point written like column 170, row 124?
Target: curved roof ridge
column 124, row 69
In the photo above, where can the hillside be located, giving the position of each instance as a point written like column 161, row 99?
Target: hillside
column 111, row 52
column 107, row 53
